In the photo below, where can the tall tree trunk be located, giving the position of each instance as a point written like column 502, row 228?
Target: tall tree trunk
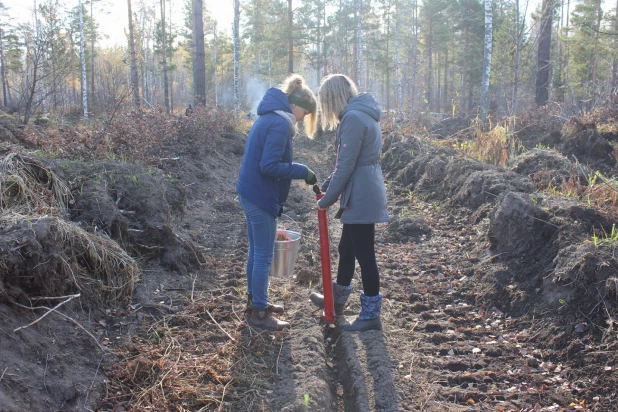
column 3, row 70
column 318, row 61
column 446, row 105
column 236, row 53
column 414, row 56
column 172, row 74
column 199, row 65
column 470, row 92
column 42, row 77
column 464, row 70
column 359, row 42
column 388, row 71
column 615, row 61
column 595, row 57
column 256, row 46
column 92, row 91
column 82, row 55
column 487, row 49
column 518, row 32
column 166, row 100
column 543, row 55
column 290, row 38
column 429, row 92
column 398, row 62
column 134, row 80
column 214, row 57
column 438, row 96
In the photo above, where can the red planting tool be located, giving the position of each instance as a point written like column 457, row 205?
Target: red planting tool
column 329, row 306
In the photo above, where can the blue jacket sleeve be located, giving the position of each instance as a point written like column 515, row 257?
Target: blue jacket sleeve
column 271, row 163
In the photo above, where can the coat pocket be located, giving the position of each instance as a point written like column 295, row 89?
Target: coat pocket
column 347, row 194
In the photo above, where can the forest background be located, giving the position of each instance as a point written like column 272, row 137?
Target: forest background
column 453, row 57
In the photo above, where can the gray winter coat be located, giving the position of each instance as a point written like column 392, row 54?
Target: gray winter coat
column 357, row 179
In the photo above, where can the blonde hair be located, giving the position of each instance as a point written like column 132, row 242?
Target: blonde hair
column 334, row 93
column 295, row 88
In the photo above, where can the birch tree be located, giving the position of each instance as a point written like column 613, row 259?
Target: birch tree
column 134, row 79
column 290, row 37
column 3, row 73
column 398, row 59
column 414, row 54
column 214, row 58
column 236, row 53
column 82, row 55
column 486, row 59
column 164, row 58
column 359, row 42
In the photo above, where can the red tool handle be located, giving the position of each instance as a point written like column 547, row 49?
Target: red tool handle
column 329, row 306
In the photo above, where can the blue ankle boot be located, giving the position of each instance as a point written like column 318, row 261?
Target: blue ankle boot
column 369, row 317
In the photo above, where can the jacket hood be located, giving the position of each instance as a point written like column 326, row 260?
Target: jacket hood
column 274, row 99
column 366, row 103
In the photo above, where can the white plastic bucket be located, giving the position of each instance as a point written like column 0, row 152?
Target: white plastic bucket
column 286, row 252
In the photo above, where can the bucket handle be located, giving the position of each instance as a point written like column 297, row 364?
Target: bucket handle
column 299, row 229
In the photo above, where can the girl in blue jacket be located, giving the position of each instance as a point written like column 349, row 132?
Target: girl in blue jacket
column 264, row 182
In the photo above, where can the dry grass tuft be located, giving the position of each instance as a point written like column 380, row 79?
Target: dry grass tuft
column 27, row 187
column 55, row 256
column 496, row 146
column 92, row 264
column 600, row 192
column 197, row 359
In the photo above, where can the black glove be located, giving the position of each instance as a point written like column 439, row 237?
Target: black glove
column 310, row 179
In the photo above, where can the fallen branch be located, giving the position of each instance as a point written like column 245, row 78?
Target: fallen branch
column 76, row 323
column 70, row 298
column 51, row 297
column 223, row 330
column 223, row 396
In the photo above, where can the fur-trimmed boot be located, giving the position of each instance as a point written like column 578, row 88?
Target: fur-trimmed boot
column 273, row 308
column 340, row 297
column 369, row 317
column 263, row 318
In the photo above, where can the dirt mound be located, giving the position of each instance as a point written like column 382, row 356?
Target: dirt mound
column 452, row 127
column 12, row 132
column 440, row 175
column 135, row 205
column 547, row 169
column 590, row 148
column 398, row 154
column 517, row 226
column 47, row 256
column 405, row 229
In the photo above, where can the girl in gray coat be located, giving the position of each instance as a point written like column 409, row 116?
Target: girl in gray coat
column 358, row 183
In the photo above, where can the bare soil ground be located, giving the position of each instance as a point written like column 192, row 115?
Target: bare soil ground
column 497, row 295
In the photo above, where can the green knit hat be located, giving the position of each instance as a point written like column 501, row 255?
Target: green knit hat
column 296, row 99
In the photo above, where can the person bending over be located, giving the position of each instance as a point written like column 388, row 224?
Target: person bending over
column 266, row 173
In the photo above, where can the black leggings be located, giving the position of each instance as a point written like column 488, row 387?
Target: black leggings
column 357, row 243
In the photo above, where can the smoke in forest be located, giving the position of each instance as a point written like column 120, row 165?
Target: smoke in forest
column 256, row 88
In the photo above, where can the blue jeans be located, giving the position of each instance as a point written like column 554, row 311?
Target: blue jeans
column 261, row 229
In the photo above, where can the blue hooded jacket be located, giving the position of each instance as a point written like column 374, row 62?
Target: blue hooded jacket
column 267, row 169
